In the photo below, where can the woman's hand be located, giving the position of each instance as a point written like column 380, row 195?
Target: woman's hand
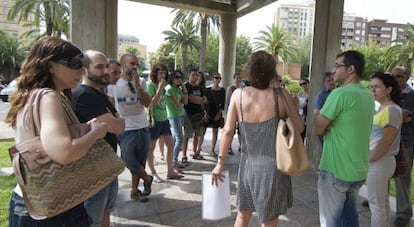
column 99, row 128
column 216, row 174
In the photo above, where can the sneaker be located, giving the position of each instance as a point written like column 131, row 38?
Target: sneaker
column 147, row 186
column 156, row 178
column 137, row 195
column 399, row 222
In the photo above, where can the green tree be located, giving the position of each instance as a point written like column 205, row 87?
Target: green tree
column 12, row 54
column 243, row 51
column 133, row 50
column 373, row 54
column 402, row 52
column 51, row 14
column 277, row 42
column 183, row 37
column 204, row 22
column 304, row 55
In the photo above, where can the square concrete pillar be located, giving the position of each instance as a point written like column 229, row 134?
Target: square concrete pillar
column 94, row 25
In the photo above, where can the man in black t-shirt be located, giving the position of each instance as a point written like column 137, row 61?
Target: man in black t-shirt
column 193, row 115
column 90, row 103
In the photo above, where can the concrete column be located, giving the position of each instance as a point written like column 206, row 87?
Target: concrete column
column 326, row 45
column 227, row 48
column 94, row 25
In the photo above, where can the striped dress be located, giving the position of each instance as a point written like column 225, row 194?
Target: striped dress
column 262, row 188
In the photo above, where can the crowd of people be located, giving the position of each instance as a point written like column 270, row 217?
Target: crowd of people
column 359, row 140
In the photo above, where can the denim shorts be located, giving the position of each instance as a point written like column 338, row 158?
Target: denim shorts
column 18, row 216
column 134, row 146
column 101, row 203
column 160, row 128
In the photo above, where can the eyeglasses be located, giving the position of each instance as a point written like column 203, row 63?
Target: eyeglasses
column 303, row 83
column 73, row 64
column 340, row 65
column 217, row 78
column 178, row 77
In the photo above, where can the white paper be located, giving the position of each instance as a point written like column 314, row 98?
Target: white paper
column 216, row 199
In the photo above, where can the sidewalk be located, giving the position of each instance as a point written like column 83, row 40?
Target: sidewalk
column 179, row 202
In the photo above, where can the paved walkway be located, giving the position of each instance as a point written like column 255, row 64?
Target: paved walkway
column 178, row 202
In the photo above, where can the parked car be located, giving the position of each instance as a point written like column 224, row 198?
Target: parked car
column 8, row 90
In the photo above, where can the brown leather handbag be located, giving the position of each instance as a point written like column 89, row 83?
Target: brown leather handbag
column 50, row 188
column 291, row 156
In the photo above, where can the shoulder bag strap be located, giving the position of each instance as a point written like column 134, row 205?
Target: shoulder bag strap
column 284, row 102
column 241, row 107
column 275, row 95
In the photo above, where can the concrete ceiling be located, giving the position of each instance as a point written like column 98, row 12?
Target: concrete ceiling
column 217, row 7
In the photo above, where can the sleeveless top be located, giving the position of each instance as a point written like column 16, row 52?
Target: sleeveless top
column 262, row 188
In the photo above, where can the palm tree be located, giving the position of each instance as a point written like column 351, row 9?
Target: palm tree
column 204, row 22
column 181, row 38
column 277, row 42
column 51, row 14
column 402, row 53
column 12, row 54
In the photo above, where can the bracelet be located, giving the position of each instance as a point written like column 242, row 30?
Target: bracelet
column 221, row 157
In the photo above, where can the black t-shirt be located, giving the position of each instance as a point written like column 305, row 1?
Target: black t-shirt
column 216, row 100
column 192, row 108
column 87, row 103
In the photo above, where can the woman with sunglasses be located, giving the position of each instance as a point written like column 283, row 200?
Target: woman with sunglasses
column 55, row 66
column 384, row 145
column 302, row 99
column 216, row 97
column 177, row 97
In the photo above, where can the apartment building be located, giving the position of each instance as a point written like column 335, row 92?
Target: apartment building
column 130, row 41
column 298, row 19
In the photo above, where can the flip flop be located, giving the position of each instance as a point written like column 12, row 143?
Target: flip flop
column 174, row 177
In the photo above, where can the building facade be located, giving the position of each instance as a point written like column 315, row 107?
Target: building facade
column 298, row 19
column 129, row 41
column 12, row 28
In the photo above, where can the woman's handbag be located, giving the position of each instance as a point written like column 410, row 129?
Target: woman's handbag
column 50, row 188
column 291, row 156
column 401, row 163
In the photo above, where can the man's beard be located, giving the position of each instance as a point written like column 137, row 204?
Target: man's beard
column 97, row 79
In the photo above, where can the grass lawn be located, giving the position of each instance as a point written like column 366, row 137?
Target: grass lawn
column 7, row 183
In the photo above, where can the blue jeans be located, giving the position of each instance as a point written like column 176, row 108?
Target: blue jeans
column 101, row 203
column 134, row 146
column 177, row 133
column 337, row 201
column 18, row 216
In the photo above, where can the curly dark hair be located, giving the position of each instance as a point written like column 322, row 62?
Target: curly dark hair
column 389, row 81
column 261, row 69
column 154, row 72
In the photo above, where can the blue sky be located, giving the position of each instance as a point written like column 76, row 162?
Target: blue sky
column 148, row 21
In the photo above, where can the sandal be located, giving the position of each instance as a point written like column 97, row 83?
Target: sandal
column 147, row 186
column 156, row 178
column 174, row 176
column 178, row 170
column 198, row 157
column 184, row 160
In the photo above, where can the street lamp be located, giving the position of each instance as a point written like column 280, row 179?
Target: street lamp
column 175, row 59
